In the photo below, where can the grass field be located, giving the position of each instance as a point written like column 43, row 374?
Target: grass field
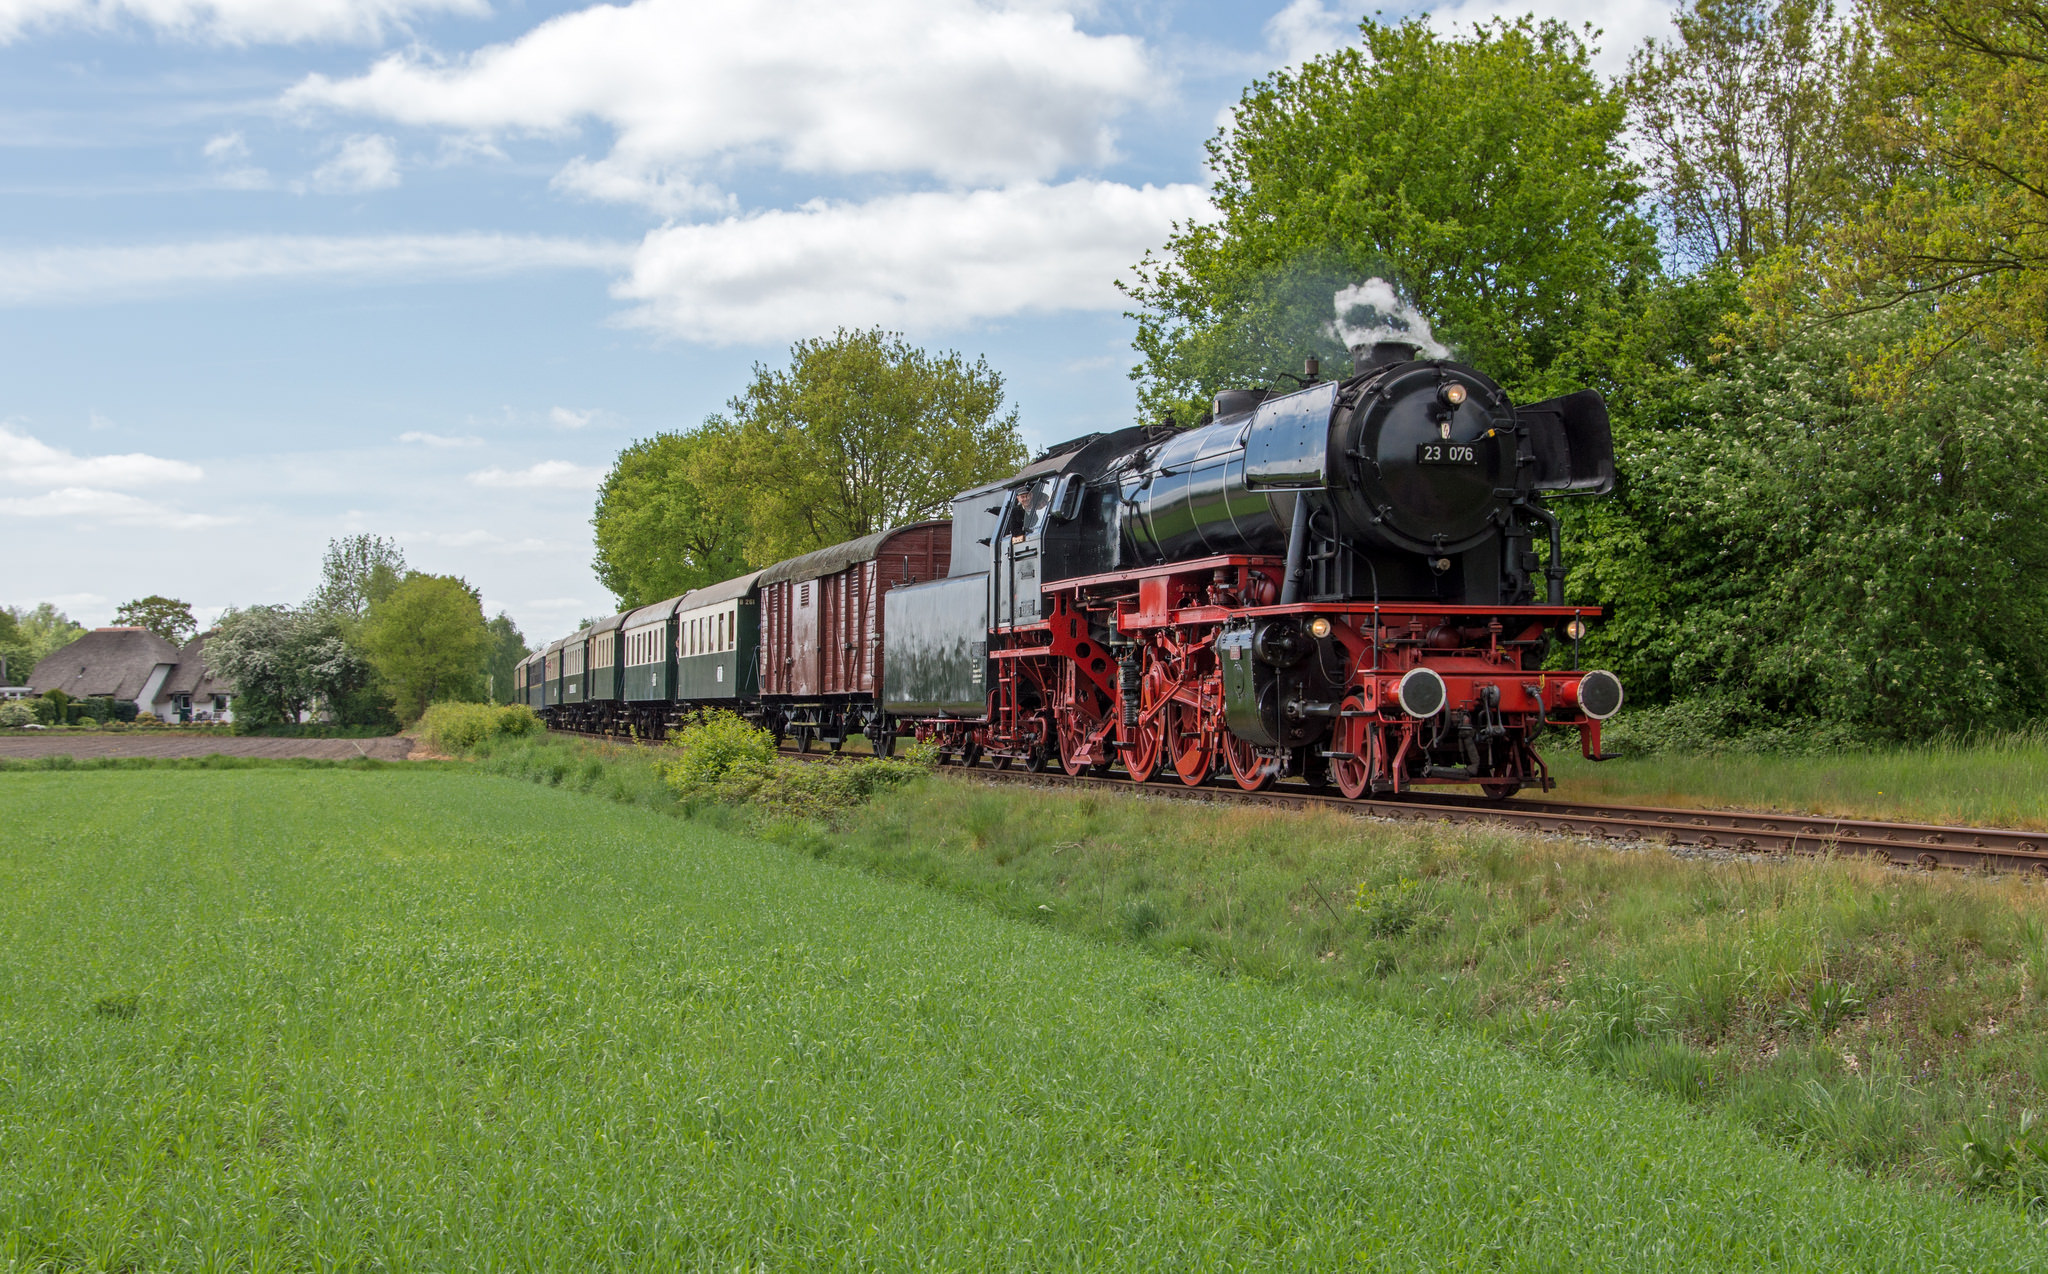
column 1995, row 783
column 304, row 1019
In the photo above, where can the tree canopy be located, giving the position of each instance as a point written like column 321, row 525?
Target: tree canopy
column 167, row 617
column 666, row 521
column 427, row 641
column 1484, row 177
column 861, row 432
column 508, row 648
column 1755, row 119
column 356, row 571
column 37, row 631
column 285, row 662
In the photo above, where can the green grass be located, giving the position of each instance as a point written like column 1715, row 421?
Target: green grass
column 1892, row 1022
column 1996, row 783
column 323, row 1019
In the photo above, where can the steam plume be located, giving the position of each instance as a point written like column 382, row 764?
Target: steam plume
column 1372, row 311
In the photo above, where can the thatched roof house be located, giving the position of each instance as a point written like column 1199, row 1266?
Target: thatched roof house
column 136, row 665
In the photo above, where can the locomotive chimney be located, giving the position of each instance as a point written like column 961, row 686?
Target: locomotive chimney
column 1365, row 358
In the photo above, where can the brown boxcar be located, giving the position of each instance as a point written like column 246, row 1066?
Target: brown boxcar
column 821, row 629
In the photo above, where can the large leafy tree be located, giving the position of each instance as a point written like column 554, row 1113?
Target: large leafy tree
column 285, row 662
column 16, row 658
column 355, row 572
column 44, row 629
column 861, row 432
column 1754, row 119
column 1965, row 223
column 167, row 617
column 1827, row 553
column 668, row 518
column 508, row 647
column 1482, row 175
column 427, row 640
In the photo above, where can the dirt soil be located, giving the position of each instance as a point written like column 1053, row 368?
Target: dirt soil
column 33, row 743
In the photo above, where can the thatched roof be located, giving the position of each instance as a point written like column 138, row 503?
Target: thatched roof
column 192, row 676
column 115, row 662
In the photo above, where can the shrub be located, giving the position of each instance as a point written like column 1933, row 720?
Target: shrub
column 458, row 727
column 726, row 761
column 708, row 751
column 15, row 715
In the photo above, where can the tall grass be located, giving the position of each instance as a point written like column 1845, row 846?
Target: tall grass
column 415, row 1020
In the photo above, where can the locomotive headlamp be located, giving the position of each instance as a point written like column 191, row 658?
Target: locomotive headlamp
column 1576, row 630
column 1319, row 627
column 1454, row 393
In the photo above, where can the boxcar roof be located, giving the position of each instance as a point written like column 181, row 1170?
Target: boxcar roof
column 724, row 591
column 836, row 558
column 654, row 611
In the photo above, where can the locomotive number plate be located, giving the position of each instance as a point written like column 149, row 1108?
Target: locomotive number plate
column 1446, row 453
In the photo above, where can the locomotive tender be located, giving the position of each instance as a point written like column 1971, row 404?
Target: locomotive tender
column 1357, row 582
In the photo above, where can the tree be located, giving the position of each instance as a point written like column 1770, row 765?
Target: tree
column 508, row 648
column 864, row 432
column 1825, row 554
column 356, row 571
column 1754, row 122
column 1964, row 225
column 667, row 519
column 1482, row 176
column 15, row 660
column 285, row 663
column 43, row 629
column 860, row 433
column 428, row 642
column 167, row 617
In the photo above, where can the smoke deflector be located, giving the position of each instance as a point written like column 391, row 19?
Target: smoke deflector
column 1572, row 444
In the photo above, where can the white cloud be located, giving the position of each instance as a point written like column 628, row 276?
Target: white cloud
column 1623, row 24
column 50, row 275
column 94, row 488
column 29, row 462
column 917, row 261
column 548, row 473
column 440, row 440
column 966, row 90
column 1305, row 29
column 91, row 504
column 568, row 419
column 367, row 162
column 229, row 154
column 227, row 148
column 232, row 21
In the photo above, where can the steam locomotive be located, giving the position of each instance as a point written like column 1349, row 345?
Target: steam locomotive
column 1357, row 583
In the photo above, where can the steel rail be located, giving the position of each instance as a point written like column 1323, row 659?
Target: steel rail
column 1918, row 845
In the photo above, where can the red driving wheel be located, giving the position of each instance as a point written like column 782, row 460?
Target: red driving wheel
column 1352, row 737
column 1188, row 743
column 1251, row 769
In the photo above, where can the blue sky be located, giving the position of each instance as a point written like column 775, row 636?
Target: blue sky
column 273, row 271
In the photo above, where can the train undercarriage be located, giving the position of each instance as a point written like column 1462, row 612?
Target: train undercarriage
column 1189, row 672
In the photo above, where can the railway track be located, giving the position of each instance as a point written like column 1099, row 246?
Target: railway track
column 1925, row 846
column 1912, row 845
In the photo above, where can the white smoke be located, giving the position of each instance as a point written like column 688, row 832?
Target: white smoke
column 1372, row 312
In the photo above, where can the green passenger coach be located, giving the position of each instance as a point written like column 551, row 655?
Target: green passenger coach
column 717, row 642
